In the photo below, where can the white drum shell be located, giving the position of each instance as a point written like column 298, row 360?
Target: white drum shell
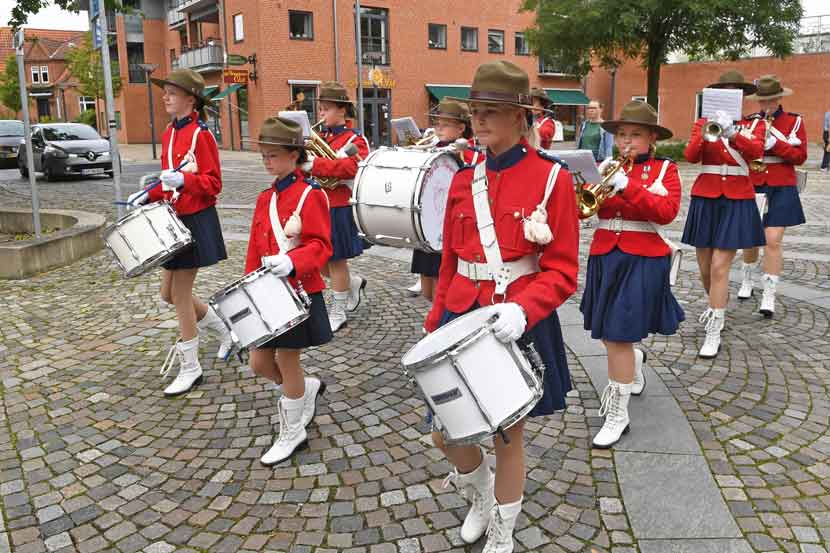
column 400, row 195
column 259, row 307
column 146, row 237
column 475, row 384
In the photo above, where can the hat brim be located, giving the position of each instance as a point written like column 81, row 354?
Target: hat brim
column 470, row 101
column 433, row 115
column 748, row 88
column 203, row 99
column 276, row 142
column 336, row 101
column 784, row 92
column 662, row 132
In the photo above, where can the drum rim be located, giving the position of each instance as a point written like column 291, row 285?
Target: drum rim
column 508, row 422
column 296, row 321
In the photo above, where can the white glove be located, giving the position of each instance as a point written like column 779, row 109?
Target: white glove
column 605, row 164
column 794, row 141
column 770, row 143
column 138, row 198
column 280, row 264
column 306, row 166
column 619, row 182
column 725, row 122
column 171, row 180
column 511, row 322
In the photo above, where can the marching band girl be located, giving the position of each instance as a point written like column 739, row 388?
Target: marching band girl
column 785, row 147
column 543, row 125
column 722, row 215
column 290, row 234
column 627, row 293
column 532, row 226
column 347, row 289
column 191, row 179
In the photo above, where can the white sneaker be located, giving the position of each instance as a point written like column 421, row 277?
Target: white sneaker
column 212, row 322
column 292, row 434
column 415, row 289
column 478, row 487
column 500, row 530
column 614, row 407
column 745, row 292
column 768, row 298
column 713, row 320
column 190, row 371
column 337, row 311
column 314, row 388
column 357, row 285
column 639, row 383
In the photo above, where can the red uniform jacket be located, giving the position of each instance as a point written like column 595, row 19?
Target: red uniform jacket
column 734, row 187
column 344, row 169
column 201, row 187
column 517, row 181
column 314, row 249
column 468, row 157
column 547, row 129
column 638, row 203
column 783, row 173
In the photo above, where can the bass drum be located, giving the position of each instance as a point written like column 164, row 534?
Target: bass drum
column 400, row 195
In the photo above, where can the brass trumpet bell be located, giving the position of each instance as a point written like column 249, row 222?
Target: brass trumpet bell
column 589, row 199
column 712, row 131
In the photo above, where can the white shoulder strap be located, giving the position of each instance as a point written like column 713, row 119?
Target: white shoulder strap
column 192, row 149
column 285, row 244
column 676, row 252
column 170, row 150
column 487, row 230
column 302, row 200
column 552, row 176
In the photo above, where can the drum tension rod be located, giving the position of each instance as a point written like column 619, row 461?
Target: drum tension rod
column 504, row 437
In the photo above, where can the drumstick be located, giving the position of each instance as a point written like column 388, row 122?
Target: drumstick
column 158, row 180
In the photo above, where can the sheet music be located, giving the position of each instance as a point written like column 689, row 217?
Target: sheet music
column 581, row 164
column 722, row 99
column 299, row 117
column 405, row 129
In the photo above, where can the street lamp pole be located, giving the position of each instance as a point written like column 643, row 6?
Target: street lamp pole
column 148, row 69
column 359, row 47
column 19, row 45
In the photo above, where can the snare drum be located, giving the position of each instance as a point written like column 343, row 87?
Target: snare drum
column 399, row 197
column 475, row 384
column 146, row 237
column 259, row 307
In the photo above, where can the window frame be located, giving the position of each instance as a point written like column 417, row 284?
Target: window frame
column 44, row 74
column 86, row 101
column 35, row 70
column 496, row 32
column 385, row 51
column 310, row 16
column 475, row 34
column 520, row 35
column 306, row 86
column 442, row 27
column 238, row 30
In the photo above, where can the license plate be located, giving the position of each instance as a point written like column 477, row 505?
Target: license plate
column 95, row 171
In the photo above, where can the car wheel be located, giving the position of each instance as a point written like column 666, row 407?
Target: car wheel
column 47, row 173
column 110, row 174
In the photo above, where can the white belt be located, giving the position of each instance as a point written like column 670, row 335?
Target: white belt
column 725, row 170
column 773, row 159
column 622, row 225
column 526, row 265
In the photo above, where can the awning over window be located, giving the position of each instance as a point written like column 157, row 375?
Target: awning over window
column 567, row 97
column 438, row 91
column 230, row 90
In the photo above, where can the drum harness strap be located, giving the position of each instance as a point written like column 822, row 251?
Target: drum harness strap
column 286, row 244
column 190, row 156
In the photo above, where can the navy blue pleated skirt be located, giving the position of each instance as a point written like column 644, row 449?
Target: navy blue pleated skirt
column 723, row 223
column 208, row 246
column 783, row 206
column 314, row 331
column 345, row 242
column 425, row 263
column 546, row 337
column 627, row 297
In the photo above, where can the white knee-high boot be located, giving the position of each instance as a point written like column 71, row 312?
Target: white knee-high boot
column 478, row 488
column 500, row 531
column 190, row 370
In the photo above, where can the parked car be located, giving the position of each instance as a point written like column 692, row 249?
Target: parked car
column 11, row 131
column 66, row 149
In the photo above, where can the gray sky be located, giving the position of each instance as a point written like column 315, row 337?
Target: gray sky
column 54, row 18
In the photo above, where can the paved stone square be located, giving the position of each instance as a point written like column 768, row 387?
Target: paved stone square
column 725, row 456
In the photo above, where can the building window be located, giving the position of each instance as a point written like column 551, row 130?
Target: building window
column 469, row 39
column 495, row 41
column 522, row 47
column 300, row 25
column 550, row 67
column 309, row 92
column 438, row 36
column 135, row 57
column 86, row 103
column 35, row 74
column 645, row 99
column 44, row 74
column 374, row 35
column 238, row 28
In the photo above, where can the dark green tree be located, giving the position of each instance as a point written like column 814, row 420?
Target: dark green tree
column 10, row 86
column 84, row 64
column 574, row 33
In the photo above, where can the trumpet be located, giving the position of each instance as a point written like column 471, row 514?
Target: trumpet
column 425, row 142
column 758, row 165
column 711, row 131
column 320, row 148
column 590, row 199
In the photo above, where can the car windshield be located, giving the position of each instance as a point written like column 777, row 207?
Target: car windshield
column 70, row 132
column 11, row 128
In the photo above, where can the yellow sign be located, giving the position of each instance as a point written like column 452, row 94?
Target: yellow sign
column 375, row 77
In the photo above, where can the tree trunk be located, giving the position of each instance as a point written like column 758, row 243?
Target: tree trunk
column 653, row 72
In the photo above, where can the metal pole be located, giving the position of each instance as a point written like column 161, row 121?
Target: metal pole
column 111, row 123
column 27, row 130
column 359, row 66
column 336, row 41
column 225, row 65
column 152, row 115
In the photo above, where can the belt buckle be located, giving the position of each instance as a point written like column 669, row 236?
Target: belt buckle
column 724, row 170
column 617, row 225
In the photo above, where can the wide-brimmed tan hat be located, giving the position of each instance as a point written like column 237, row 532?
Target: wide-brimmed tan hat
column 734, row 79
column 276, row 131
column 451, row 109
column 769, row 87
column 542, row 95
column 332, row 91
column 189, row 81
column 500, row 82
column 638, row 112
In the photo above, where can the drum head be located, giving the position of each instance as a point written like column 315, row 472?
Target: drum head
column 433, row 201
column 448, row 336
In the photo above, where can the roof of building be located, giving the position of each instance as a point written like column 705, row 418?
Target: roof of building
column 41, row 44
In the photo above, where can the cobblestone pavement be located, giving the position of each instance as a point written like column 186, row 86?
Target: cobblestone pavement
column 93, row 458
